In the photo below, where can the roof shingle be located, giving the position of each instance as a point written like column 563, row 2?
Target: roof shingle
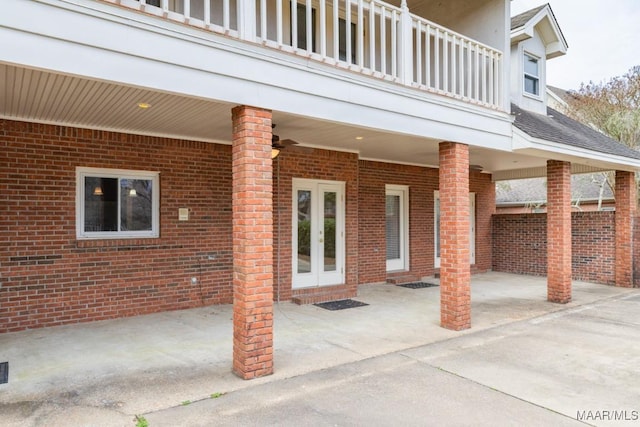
column 521, row 19
column 556, row 127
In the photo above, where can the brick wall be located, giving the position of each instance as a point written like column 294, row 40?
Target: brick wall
column 520, row 245
column 48, row 277
column 422, row 183
column 485, row 190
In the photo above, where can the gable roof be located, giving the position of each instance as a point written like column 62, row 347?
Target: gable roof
column 543, row 20
column 556, row 127
column 521, row 19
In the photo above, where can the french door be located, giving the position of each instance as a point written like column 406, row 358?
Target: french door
column 472, row 228
column 397, row 227
column 318, row 233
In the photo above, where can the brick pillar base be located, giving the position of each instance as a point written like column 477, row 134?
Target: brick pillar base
column 455, row 271
column 625, row 212
column 252, row 243
column 558, row 231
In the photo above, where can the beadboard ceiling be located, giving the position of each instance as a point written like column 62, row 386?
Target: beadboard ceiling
column 40, row 96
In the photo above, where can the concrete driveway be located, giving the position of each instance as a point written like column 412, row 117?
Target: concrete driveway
column 525, row 361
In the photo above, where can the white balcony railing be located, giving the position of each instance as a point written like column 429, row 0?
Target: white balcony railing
column 368, row 36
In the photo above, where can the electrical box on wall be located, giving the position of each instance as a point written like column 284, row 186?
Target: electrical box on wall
column 183, row 214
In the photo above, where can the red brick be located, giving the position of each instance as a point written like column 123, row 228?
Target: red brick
column 82, row 280
column 252, row 196
column 520, row 245
column 558, row 231
column 626, row 206
column 455, row 272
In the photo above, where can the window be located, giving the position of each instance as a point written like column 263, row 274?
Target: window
column 342, row 40
column 301, row 27
column 531, row 75
column 155, row 3
column 115, row 203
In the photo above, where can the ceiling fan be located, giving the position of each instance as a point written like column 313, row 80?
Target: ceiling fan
column 278, row 144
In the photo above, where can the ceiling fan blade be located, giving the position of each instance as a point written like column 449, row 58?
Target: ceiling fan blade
column 287, row 142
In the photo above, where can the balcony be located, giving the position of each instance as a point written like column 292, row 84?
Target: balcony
column 368, row 37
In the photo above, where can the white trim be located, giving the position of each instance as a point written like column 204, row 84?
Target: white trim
column 537, row 96
column 403, row 262
column 44, row 34
column 154, row 177
column 317, row 277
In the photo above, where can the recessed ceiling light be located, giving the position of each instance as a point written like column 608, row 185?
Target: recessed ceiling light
column 359, row 138
column 143, row 105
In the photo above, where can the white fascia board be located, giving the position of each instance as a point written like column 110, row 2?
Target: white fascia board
column 86, row 39
column 523, row 141
column 555, row 49
column 521, row 34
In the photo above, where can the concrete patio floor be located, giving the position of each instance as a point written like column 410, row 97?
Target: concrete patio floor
column 102, row 373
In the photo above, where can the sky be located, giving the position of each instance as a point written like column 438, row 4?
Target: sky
column 603, row 38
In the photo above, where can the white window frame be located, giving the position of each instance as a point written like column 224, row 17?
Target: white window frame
column 538, row 78
column 404, row 225
column 154, row 177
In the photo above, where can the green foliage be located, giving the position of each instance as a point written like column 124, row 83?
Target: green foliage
column 304, row 237
column 217, row 395
column 185, row 403
column 141, row 421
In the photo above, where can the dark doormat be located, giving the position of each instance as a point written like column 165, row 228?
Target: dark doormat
column 340, row 304
column 417, row 285
column 4, row 372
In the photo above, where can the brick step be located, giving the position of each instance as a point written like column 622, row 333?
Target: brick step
column 314, row 298
column 396, row 279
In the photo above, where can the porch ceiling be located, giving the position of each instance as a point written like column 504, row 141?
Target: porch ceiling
column 40, row 96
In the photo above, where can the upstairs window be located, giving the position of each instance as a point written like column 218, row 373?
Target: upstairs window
column 531, row 75
column 301, row 28
column 115, row 203
column 342, row 41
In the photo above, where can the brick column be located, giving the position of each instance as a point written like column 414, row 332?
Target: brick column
column 252, row 243
column 626, row 203
column 558, row 231
column 455, row 272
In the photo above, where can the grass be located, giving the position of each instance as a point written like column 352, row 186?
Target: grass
column 141, row 421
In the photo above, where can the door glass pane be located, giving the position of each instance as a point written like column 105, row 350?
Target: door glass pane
column 304, row 231
column 393, row 226
column 330, row 232
column 437, row 230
